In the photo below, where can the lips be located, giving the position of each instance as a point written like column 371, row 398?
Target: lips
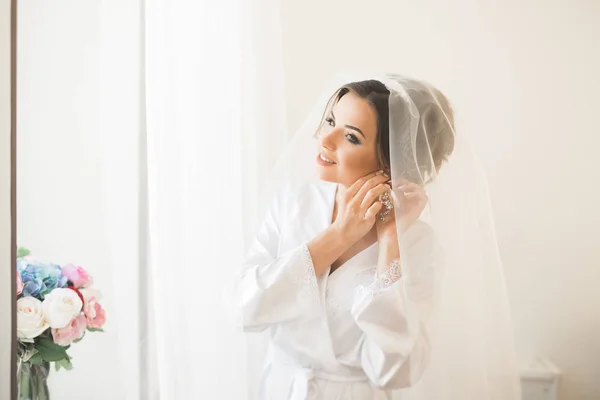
column 323, row 163
column 326, row 159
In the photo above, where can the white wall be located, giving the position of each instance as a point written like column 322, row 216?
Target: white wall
column 78, row 119
column 5, row 225
column 523, row 79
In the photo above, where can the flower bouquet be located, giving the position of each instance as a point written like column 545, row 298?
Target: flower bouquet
column 55, row 307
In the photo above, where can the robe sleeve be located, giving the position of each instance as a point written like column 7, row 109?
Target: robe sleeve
column 393, row 310
column 270, row 287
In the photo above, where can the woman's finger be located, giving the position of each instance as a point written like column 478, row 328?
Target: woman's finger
column 356, row 186
column 412, row 190
column 415, row 193
column 368, row 185
column 374, row 194
column 415, row 200
column 373, row 210
column 409, row 187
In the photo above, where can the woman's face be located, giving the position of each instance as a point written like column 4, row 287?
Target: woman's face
column 348, row 138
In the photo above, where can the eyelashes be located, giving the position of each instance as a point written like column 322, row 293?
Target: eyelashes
column 349, row 136
column 352, row 138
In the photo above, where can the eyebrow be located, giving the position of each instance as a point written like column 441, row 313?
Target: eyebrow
column 350, row 126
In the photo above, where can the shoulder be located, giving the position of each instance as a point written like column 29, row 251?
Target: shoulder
column 304, row 191
column 300, row 199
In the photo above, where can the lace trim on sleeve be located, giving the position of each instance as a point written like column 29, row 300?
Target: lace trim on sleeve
column 306, row 277
column 391, row 275
column 383, row 281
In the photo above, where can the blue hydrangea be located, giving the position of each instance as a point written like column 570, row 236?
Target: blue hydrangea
column 39, row 278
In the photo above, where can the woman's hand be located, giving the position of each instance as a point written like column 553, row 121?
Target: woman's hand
column 359, row 206
column 410, row 200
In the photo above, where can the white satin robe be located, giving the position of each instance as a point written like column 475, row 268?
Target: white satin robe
column 347, row 335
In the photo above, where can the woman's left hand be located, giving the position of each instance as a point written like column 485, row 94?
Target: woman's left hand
column 410, row 200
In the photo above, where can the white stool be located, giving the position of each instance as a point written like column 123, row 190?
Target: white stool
column 539, row 380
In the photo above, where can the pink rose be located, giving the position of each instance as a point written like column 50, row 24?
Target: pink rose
column 77, row 275
column 89, row 293
column 75, row 330
column 94, row 313
column 19, row 283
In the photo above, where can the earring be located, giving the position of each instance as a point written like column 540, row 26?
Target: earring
column 387, row 203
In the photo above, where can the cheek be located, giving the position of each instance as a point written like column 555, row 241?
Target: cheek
column 359, row 162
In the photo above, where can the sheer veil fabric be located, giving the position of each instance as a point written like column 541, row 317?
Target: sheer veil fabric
column 459, row 298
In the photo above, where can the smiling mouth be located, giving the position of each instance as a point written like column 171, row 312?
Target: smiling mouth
column 326, row 159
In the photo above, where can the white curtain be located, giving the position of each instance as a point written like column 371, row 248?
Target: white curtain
column 214, row 100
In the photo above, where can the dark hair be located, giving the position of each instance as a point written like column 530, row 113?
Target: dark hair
column 437, row 121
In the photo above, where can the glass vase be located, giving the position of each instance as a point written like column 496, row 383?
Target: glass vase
column 32, row 381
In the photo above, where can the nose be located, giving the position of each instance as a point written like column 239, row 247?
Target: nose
column 328, row 140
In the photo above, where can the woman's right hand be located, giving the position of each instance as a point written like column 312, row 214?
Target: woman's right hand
column 359, row 206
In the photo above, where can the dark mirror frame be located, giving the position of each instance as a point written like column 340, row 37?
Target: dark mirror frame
column 13, row 195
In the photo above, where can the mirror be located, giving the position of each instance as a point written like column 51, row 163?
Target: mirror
column 78, row 202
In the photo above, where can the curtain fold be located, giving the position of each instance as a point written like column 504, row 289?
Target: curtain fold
column 214, row 102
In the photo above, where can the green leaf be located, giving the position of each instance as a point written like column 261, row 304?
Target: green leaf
column 25, row 351
column 95, row 329
column 80, row 339
column 22, row 252
column 66, row 364
column 36, row 359
column 50, row 351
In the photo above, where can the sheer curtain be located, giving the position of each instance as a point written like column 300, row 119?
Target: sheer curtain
column 214, row 100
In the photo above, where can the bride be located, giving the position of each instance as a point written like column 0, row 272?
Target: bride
column 374, row 270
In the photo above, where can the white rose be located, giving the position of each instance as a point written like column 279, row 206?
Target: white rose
column 30, row 319
column 60, row 306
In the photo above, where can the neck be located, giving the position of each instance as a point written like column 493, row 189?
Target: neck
column 341, row 190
